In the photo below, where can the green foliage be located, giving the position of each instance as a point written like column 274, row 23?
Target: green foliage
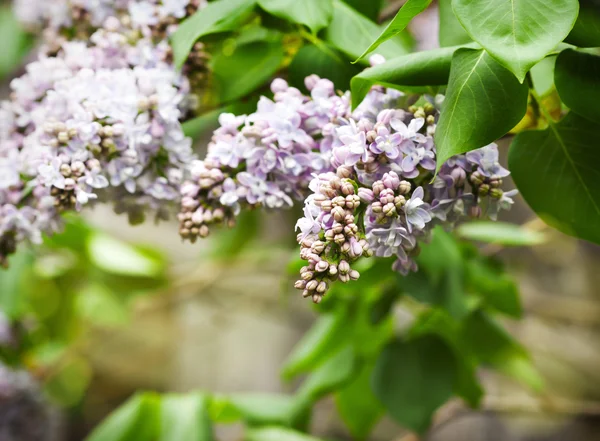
column 276, row 434
column 16, row 43
column 576, row 76
column 554, row 171
column 219, row 16
column 517, row 33
column 368, row 8
column 413, row 378
column 352, row 32
column 315, row 14
column 185, row 418
column 483, row 102
column 586, row 32
column 451, row 32
column 501, row 233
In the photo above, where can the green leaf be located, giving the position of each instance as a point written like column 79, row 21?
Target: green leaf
column 358, row 406
column 368, row 8
column 194, row 128
column 117, row 257
column 555, row 171
column 16, row 43
column 542, row 75
column 407, row 12
column 494, row 346
column 500, row 233
column 412, row 379
column 316, row 14
column 12, row 286
column 451, row 31
column 277, row 434
column 263, row 409
column 219, row 16
column 185, row 418
column 137, row 420
column 333, row 373
column 517, row 33
column 99, row 305
column 248, row 67
column 324, row 61
column 427, row 68
column 325, row 337
column 69, row 381
column 351, row 32
column 483, row 102
column 586, row 32
column 497, row 289
column 577, row 79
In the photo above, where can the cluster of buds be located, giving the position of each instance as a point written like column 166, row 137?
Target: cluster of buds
column 330, row 240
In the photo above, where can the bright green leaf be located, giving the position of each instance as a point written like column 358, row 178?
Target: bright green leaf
column 351, row 32
column 451, row 31
column 277, row 434
column 136, row 420
column 219, row 16
column 420, row 69
column 117, row 257
column 185, row 418
column 497, row 289
column 484, row 101
column 555, row 171
column 248, row 67
column 357, row 405
column 12, row 288
column 69, row 382
column 577, row 79
column 98, row 304
column 413, row 379
column 324, row 61
column 492, row 345
column 517, row 33
column 500, row 233
column 263, row 409
column 316, row 14
column 586, row 32
column 542, row 75
column 407, row 12
column 326, row 336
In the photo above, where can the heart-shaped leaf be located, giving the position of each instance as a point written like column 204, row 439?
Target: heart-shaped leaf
column 484, row 101
column 518, row 33
column 451, row 31
column 577, row 79
column 556, row 172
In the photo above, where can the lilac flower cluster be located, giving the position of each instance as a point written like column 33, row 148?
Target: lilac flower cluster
column 263, row 159
column 94, row 118
column 386, row 157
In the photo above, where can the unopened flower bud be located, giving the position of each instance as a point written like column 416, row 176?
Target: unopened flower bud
column 322, row 287
column 391, row 180
column 312, row 285
column 337, row 228
column 496, row 193
column 326, row 205
column 459, row 176
column 339, row 201
column 354, row 275
column 308, row 275
column 378, row 186
column 404, row 187
column 338, row 213
column 377, row 207
column 399, row 202
column 329, row 235
column 318, row 246
column 333, row 270
column 484, row 189
column 321, row 266
column 347, row 188
column 344, row 267
column 300, row 284
column 317, row 298
column 389, row 210
column 339, row 239
column 477, row 178
column 63, row 137
column 366, row 195
column 344, row 172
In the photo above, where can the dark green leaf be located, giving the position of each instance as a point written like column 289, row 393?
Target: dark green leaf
column 494, row 346
column 407, row 12
column 277, row 434
column 500, row 233
column 577, row 79
column 368, row 8
column 497, row 289
column 517, row 33
column 427, row 68
column 248, row 67
column 357, row 405
column 185, row 418
column 324, row 61
column 451, row 31
column 412, row 379
column 316, row 14
column 484, row 101
column 137, row 420
column 586, row 32
column 555, row 171
column 326, row 336
column 352, row 32
column 16, row 43
column 439, row 323
column 219, row 16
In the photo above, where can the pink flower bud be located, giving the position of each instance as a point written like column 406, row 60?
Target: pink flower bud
column 366, row 195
